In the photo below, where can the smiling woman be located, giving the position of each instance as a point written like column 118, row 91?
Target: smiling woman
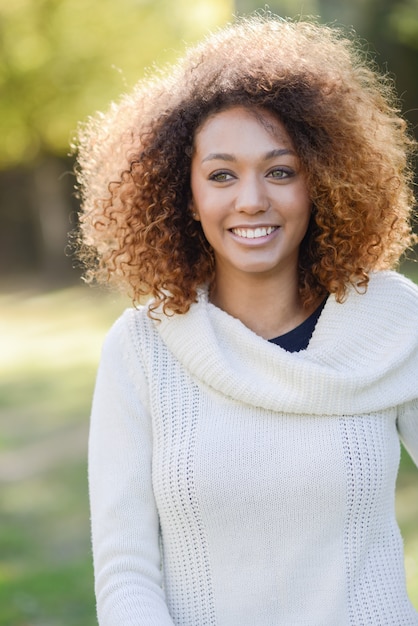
column 251, row 197
column 247, row 419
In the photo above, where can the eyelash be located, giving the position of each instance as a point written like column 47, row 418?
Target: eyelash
column 287, row 172
column 216, row 177
column 227, row 176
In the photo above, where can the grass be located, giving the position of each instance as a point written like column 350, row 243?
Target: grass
column 50, row 350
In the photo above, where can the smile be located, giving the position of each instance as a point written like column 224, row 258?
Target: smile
column 254, row 233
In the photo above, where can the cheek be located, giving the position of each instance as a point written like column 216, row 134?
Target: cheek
column 306, row 211
column 207, row 206
column 300, row 210
column 305, row 219
column 304, row 205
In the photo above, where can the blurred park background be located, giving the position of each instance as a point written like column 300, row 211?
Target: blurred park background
column 61, row 60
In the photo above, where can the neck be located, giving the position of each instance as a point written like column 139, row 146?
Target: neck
column 268, row 306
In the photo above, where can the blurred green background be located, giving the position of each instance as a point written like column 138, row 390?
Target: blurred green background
column 60, row 60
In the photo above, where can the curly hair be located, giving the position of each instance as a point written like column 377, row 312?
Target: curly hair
column 136, row 228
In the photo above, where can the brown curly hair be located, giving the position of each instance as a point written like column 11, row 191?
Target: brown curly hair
column 136, row 229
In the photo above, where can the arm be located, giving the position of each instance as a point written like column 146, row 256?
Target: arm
column 408, row 428
column 123, row 511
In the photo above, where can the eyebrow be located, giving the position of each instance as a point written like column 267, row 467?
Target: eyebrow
column 224, row 156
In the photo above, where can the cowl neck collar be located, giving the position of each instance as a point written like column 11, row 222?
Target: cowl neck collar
column 362, row 357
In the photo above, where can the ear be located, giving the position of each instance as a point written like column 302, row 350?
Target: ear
column 193, row 211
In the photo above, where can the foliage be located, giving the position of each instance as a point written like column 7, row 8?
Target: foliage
column 63, row 59
column 60, row 60
column 403, row 22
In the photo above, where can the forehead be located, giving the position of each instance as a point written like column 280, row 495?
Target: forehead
column 238, row 123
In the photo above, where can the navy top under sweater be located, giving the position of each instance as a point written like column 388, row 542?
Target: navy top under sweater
column 298, row 338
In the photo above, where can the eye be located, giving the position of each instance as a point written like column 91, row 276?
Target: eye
column 280, row 173
column 221, row 176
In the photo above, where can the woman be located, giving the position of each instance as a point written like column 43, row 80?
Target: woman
column 246, row 420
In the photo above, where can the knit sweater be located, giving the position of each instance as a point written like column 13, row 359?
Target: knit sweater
column 233, row 483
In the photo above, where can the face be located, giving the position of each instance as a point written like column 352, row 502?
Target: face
column 249, row 193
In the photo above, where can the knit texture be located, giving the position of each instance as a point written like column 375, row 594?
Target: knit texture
column 235, row 484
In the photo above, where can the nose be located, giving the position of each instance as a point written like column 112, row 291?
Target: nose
column 251, row 196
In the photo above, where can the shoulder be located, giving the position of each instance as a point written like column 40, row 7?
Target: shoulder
column 124, row 327
column 388, row 310
column 392, row 296
column 392, row 284
column 129, row 332
column 390, row 299
column 385, row 315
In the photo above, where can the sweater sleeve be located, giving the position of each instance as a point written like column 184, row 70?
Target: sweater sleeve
column 125, row 526
column 408, row 428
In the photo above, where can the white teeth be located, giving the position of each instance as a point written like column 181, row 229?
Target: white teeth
column 253, row 233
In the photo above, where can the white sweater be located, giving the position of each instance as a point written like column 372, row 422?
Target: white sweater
column 235, row 484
